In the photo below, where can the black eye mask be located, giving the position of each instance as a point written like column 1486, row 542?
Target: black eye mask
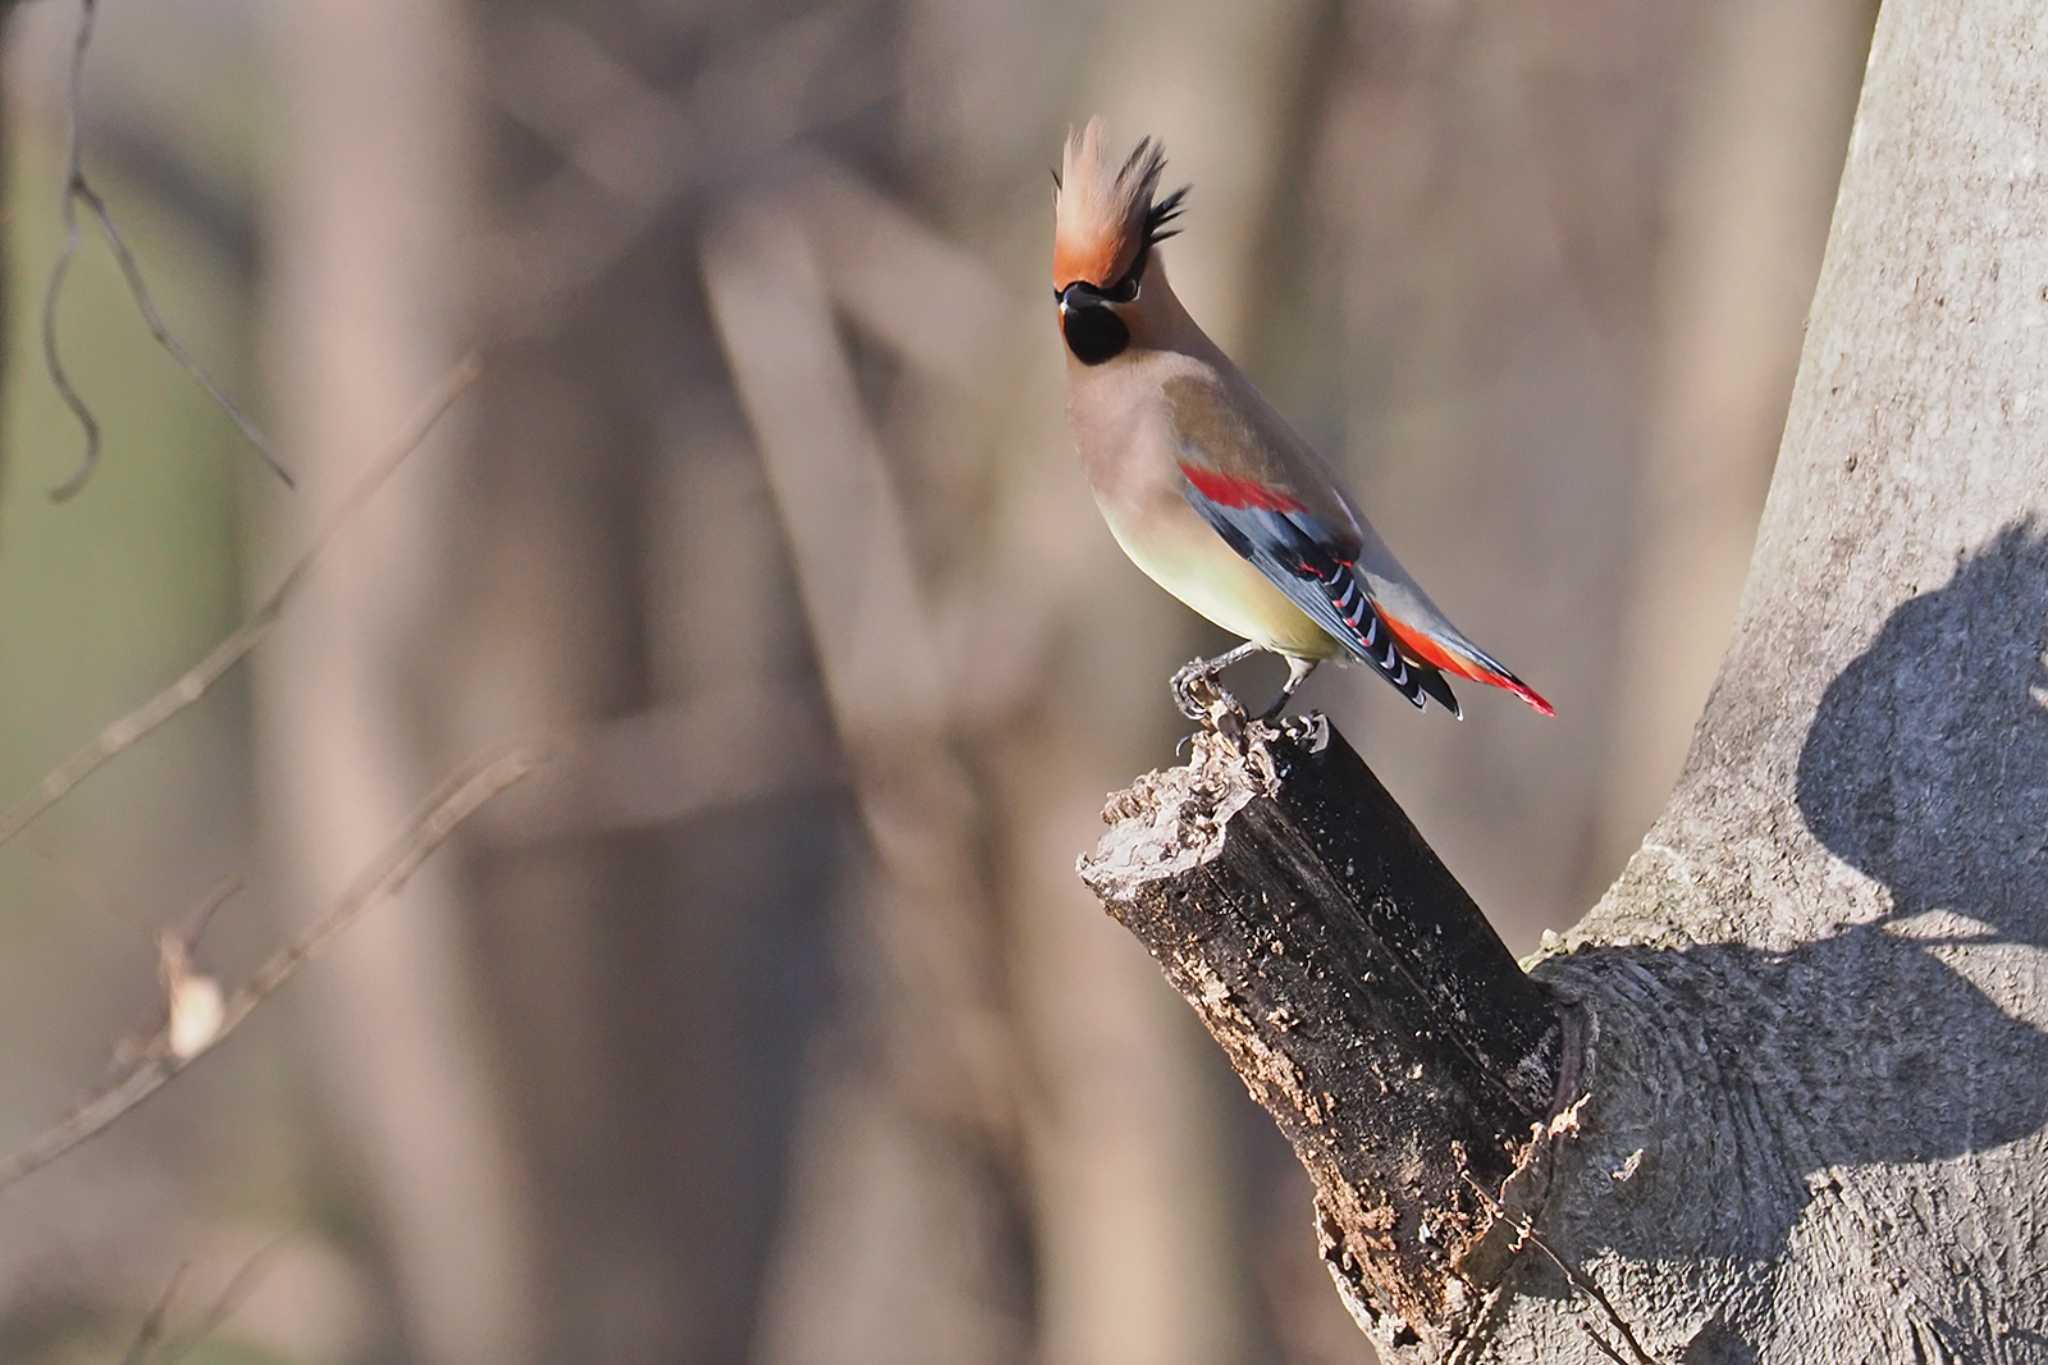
column 1081, row 294
column 1095, row 333
column 1125, row 290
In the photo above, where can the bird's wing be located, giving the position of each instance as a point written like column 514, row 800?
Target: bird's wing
column 1314, row 564
column 1264, row 488
column 1269, row 497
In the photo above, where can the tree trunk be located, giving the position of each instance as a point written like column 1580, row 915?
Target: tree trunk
column 1751, row 185
column 371, row 222
column 1363, row 1000
column 1814, row 1130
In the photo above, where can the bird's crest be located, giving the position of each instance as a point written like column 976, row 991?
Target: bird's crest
column 1102, row 218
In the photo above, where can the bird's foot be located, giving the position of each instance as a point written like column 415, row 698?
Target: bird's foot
column 1198, row 695
column 1204, row 700
column 1297, row 673
column 1310, row 730
column 1196, row 691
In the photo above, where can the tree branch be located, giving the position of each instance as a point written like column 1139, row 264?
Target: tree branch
column 1364, row 1000
column 1525, row 1231
column 459, row 798
column 78, row 190
column 200, row 678
column 228, row 1302
column 153, row 1338
column 152, row 1329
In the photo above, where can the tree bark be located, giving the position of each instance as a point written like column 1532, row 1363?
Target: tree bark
column 1815, row 1124
column 1363, row 1000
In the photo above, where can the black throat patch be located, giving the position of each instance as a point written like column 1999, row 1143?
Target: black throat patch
column 1095, row 335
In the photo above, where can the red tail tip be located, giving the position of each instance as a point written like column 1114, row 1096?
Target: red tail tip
column 1535, row 699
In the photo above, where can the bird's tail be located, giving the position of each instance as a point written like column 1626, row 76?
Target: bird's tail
column 1461, row 657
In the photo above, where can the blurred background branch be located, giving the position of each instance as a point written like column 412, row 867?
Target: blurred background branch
column 167, row 1055
column 79, row 190
column 193, row 685
column 152, row 1338
column 769, row 1023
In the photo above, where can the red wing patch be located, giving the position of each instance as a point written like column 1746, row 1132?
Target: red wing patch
column 1421, row 647
column 1227, row 490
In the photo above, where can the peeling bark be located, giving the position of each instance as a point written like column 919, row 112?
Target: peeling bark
column 1362, row 999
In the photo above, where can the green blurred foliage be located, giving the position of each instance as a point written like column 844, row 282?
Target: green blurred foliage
column 106, row 598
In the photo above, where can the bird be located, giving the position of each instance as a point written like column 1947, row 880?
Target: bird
column 1204, row 485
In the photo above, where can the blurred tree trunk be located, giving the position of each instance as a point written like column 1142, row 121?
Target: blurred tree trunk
column 627, row 974
column 1490, row 178
column 1753, row 180
column 374, row 206
column 7, row 99
column 1816, row 1130
column 653, row 971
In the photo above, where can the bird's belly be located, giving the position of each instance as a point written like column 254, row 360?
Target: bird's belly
column 1181, row 553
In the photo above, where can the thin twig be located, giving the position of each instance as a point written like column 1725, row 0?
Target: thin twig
column 1606, row 1347
column 73, row 173
column 196, row 682
column 152, row 1329
column 221, row 892
column 229, row 1301
column 1584, row 1283
column 1526, row 1231
column 77, row 189
column 158, row 328
column 457, row 799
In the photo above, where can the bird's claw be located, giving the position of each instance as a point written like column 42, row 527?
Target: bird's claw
column 1196, row 692
column 1183, row 684
column 1203, row 700
column 1310, row 731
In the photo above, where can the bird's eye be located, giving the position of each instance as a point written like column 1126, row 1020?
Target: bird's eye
column 1125, row 290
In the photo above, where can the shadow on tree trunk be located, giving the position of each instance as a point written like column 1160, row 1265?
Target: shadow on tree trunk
column 1785, row 1078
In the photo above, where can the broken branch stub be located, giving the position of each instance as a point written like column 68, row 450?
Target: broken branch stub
column 1364, row 1001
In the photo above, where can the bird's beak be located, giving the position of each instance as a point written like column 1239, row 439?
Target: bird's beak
column 1079, row 294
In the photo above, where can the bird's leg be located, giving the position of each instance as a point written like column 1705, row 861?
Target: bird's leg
column 1205, row 671
column 1297, row 674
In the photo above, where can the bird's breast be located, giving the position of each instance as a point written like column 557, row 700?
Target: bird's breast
column 1130, row 453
